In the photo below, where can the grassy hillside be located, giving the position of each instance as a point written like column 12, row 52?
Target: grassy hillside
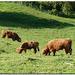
column 31, row 24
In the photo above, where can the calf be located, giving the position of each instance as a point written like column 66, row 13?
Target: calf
column 28, row 45
column 58, row 44
column 14, row 36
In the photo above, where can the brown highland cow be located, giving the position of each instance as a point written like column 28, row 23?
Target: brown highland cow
column 14, row 36
column 28, row 45
column 58, row 44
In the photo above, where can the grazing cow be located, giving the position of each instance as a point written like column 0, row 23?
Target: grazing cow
column 56, row 45
column 9, row 34
column 28, row 45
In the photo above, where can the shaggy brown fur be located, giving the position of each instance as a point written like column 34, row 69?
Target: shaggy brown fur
column 28, row 45
column 9, row 34
column 56, row 45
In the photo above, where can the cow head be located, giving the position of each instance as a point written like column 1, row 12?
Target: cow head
column 19, row 50
column 19, row 39
column 44, row 52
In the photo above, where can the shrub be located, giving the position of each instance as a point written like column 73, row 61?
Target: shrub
column 54, row 11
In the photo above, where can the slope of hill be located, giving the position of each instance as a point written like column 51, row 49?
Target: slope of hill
column 31, row 24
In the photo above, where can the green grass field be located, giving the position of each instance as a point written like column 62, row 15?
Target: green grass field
column 31, row 24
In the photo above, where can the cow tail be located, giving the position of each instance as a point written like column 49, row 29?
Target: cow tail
column 38, row 49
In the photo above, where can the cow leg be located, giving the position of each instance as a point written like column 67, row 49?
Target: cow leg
column 7, row 36
column 66, row 50
column 49, row 53
column 50, row 50
column 24, row 50
column 70, row 52
column 35, row 50
column 54, row 52
column 38, row 49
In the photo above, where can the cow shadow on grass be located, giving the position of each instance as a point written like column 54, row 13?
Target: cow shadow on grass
column 31, row 59
column 53, row 56
column 3, row 51
column 14, row 19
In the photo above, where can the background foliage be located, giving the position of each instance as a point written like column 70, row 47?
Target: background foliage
column 60, row 8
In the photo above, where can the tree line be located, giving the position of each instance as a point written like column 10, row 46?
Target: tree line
column 59, row 8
